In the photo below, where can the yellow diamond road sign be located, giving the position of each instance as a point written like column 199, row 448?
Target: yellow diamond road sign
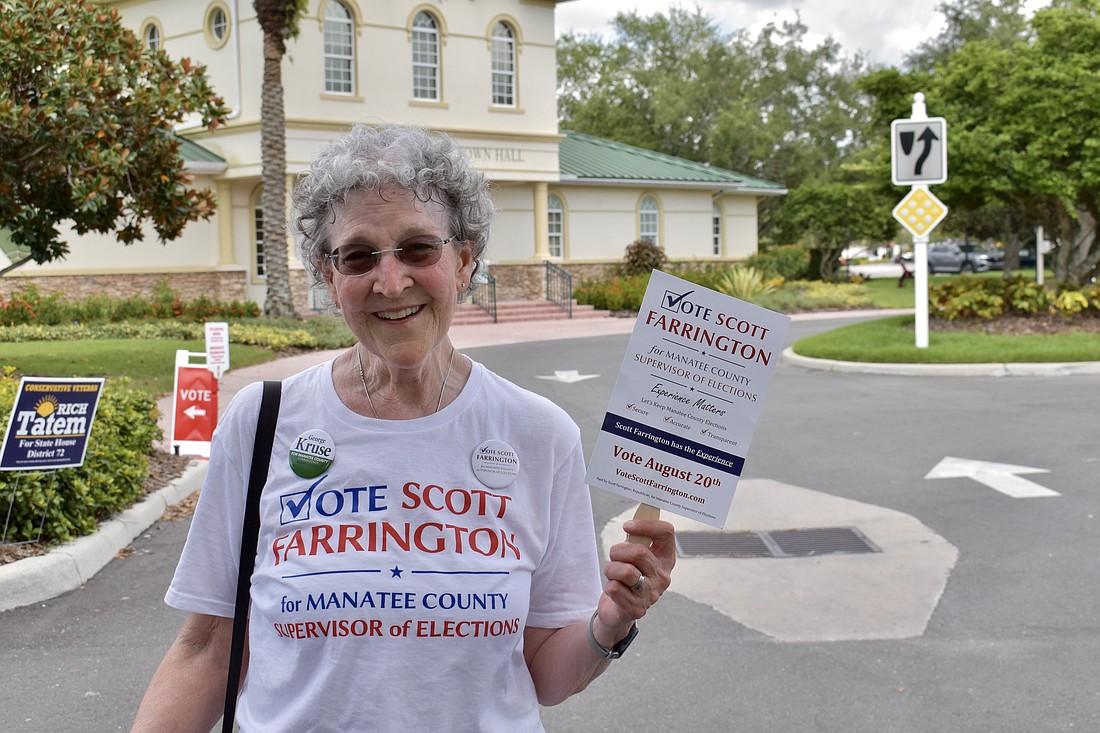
column 920, row 211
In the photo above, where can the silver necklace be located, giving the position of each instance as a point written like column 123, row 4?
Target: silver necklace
column 442, row 389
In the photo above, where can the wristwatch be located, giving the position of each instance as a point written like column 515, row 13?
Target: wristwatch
column 616, row 651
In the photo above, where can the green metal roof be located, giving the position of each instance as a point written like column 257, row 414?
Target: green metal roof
column 584, row 157
column 200, row 160
column 587, row 158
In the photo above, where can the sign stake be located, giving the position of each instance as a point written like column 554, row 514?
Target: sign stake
column 644, row 511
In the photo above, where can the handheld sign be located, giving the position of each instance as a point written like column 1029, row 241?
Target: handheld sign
column 50, row 423
column 687, row 399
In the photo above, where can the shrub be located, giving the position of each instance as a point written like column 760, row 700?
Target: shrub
column 615, row 294
column 1069, row 302
column 815, row 295
column 972, row 297
column 642, row 258
column 27, row 306
column 71, row 502
column 707, row 274
column 1026, row 297
column 788, row 261
column 746, row 283
column 967, row 297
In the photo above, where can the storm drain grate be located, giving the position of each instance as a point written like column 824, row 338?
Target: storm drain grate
column 721, row 544
column 776, row 543
column 826, row 541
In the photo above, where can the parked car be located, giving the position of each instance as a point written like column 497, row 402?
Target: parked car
column 962, row 257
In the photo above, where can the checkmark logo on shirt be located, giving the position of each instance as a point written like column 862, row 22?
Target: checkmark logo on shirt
column 672, row 300
column 294, row 507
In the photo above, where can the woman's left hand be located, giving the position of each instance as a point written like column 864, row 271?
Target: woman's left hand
column 637, row 575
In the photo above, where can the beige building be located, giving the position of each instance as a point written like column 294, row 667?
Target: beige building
column 480, row 70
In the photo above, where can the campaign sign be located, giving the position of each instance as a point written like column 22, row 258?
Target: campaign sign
column 50, row 423
column 217, row 347
column 687, row 399
column 195, row 405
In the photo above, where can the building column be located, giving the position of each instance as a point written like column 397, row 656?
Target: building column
column 226, row 256
column 542, row 227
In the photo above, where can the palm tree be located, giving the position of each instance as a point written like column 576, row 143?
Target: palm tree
column 279, row 21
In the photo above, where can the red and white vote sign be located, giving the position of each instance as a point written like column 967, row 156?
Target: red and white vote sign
column 194, row 405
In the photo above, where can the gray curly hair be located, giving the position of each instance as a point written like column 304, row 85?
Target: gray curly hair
column 371, row 157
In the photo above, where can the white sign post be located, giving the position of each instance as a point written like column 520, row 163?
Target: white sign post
column 1041, row 246
column 918, row 150
column 687, row 399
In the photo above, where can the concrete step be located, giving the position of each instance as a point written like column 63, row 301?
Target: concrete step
column 513, row 311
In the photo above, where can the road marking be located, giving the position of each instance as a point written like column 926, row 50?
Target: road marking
column 569, row 376
column 1002, row 477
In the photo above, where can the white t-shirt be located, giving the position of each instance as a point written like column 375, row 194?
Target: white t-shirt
column 392, row 589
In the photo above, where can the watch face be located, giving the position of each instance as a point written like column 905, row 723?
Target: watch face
column 618, row 649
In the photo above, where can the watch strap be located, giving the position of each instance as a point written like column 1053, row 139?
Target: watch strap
column 616, row 651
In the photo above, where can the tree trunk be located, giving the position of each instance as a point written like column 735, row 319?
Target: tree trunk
column 1012, row 242
column 1077, row 259
column 279, row 302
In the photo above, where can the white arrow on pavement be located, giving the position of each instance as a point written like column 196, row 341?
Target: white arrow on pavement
column 569, row 376
column 1002, row 477
column 193, row 412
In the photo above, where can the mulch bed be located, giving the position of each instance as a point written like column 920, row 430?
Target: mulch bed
column 1045, row 324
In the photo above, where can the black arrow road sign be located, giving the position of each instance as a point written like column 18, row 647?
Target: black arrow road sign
column 919, row 149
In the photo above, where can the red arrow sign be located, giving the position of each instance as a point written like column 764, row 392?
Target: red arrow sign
column 194, row 405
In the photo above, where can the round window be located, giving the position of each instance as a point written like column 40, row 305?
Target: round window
column 217, row 25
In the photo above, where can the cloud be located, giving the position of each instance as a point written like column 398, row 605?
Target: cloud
column 879, row 30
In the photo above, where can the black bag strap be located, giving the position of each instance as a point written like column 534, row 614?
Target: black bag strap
column 257, row 477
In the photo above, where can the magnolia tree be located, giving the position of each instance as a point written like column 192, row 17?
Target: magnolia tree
column 86, row 129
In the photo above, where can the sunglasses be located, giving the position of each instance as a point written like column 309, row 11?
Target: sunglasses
column 356, row 261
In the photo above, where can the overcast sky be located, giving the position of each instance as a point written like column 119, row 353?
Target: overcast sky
column 884, row 30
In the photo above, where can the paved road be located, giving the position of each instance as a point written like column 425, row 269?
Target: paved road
column 1012, row 644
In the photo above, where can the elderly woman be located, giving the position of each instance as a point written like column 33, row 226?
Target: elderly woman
column 440, row 573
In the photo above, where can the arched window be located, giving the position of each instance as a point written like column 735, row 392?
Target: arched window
column 504, row 65
column 716, row 230
column 425, row 52
column 555, row 225
column 151, row 35
column 339, row 49
column 648, row 220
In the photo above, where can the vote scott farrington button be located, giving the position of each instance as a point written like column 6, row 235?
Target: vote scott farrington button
column 312, row 453
column 495, row 464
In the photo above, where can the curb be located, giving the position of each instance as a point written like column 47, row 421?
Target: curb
column 69, row 566
column 1023, row 369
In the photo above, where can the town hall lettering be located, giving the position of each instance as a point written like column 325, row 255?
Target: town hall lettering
column 486, row 154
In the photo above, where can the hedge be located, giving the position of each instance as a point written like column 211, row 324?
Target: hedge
column 75, row 500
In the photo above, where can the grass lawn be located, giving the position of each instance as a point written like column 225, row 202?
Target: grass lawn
column 892, row 340
column 149, row 363
column 885, row 293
